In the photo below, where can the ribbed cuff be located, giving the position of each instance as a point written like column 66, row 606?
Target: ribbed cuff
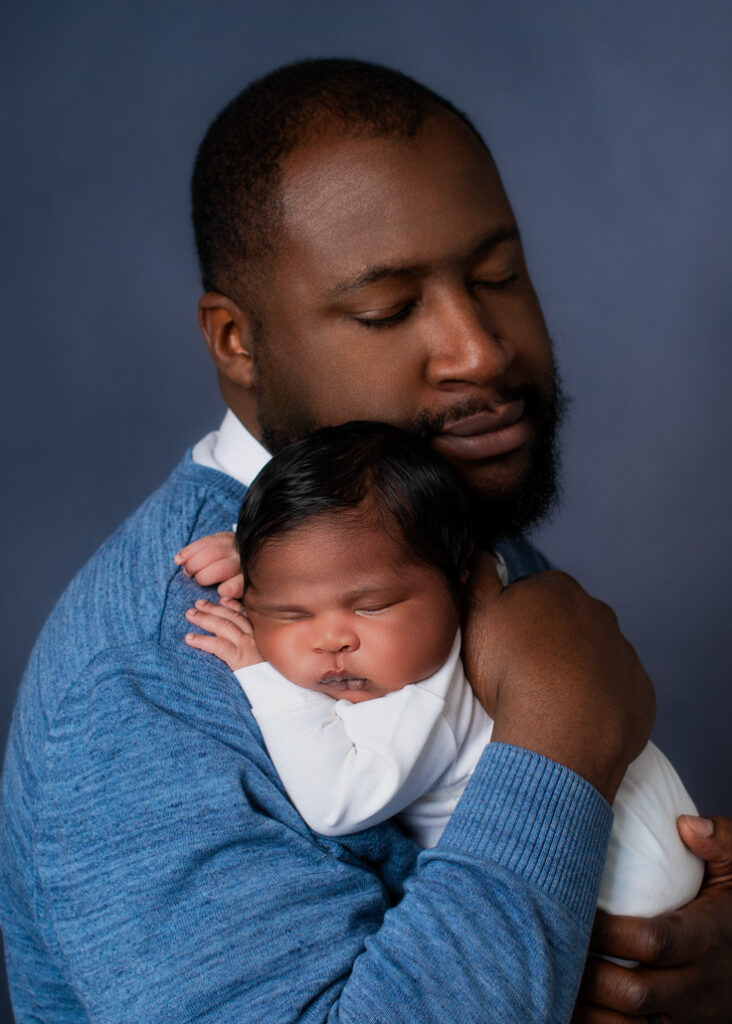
column 539, row 820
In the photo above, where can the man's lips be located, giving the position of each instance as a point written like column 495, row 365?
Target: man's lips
column 485, row 434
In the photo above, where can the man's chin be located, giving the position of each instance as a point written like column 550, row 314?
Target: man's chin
column 512, row 493
column 489, row 478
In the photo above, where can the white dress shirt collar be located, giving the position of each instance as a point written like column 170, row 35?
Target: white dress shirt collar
column 232, row 450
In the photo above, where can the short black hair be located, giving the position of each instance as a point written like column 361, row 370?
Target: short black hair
column 235, row 187
column 362, row 467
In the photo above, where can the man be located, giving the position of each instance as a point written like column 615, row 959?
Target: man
column 360, row 260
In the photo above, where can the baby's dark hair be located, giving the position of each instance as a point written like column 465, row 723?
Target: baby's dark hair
column 369, row 468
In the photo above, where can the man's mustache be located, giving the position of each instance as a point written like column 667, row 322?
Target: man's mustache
column 537, row 405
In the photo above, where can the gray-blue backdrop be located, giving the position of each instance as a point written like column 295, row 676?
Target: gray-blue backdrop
column 611, row 124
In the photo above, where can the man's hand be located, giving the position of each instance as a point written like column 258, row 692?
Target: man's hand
column 214, row 559
column 685, row 975
column 232, row 640
column 551, row 666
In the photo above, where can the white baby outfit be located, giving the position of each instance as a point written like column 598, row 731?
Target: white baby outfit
column 410, row 753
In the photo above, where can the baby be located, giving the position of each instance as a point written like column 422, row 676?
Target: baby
column 354, row 544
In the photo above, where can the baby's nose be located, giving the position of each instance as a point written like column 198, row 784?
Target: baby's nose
column 337, row 641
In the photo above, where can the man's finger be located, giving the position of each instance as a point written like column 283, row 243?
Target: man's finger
column 636, row 992
column 649, row 940
column 483, row 584
column 585, row 1013
column 710, row 839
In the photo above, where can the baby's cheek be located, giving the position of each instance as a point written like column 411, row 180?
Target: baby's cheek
column 267, row 641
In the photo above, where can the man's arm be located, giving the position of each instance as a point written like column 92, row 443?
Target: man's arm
column 687, row 955
column 706, row 980
column 549, row 664
column 176, row 881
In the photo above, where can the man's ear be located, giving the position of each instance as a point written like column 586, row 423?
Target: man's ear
column 229, row 335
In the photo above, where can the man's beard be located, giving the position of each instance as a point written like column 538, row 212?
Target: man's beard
column 501, row 511
column 507, row 510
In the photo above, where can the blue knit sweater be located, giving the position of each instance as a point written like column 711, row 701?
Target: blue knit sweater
column 154, row 870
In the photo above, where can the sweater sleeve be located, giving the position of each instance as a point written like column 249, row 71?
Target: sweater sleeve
column 347, row 766
column 176, row 883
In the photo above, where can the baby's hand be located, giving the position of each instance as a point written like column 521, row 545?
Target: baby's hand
column 214, row 559
column 232, row 639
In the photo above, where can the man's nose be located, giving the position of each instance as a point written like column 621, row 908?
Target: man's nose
column 465, row 345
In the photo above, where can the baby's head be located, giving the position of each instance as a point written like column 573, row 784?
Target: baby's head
column 354, row 543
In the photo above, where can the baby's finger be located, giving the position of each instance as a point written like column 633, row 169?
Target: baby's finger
column 231, row 611
column 200, row 552
column 216, row 645
column 207, row 554
column 185, row 553
column 233, row 587
column 228, row 626
column 233, row 603
column 215, row 572
column 196, row 545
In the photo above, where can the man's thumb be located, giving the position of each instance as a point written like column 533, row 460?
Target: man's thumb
column 710, row 839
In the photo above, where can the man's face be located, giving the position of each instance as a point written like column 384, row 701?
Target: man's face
column 399, row 293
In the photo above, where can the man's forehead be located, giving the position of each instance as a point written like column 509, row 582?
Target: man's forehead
column 371, row 274
column 385, row 200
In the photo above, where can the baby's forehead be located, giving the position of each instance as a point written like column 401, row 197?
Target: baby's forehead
column 336, row 552
column 341, row 533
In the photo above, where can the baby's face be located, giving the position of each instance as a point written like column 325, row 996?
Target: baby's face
column 339, row 608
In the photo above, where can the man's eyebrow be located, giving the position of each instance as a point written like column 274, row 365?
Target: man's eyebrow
column 382, row 271
column 371, row 275
column 508, row 233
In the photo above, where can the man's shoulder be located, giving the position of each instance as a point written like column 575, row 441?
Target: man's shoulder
column 120, row 600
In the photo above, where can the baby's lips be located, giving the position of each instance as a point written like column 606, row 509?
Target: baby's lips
column 343, row 680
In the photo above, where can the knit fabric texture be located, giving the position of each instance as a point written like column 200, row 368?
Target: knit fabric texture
column 153, row 869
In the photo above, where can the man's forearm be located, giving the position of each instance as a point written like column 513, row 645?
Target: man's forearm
column 551, row 666
column 495, row 922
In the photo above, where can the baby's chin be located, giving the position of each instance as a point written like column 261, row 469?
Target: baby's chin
column 357, row 696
